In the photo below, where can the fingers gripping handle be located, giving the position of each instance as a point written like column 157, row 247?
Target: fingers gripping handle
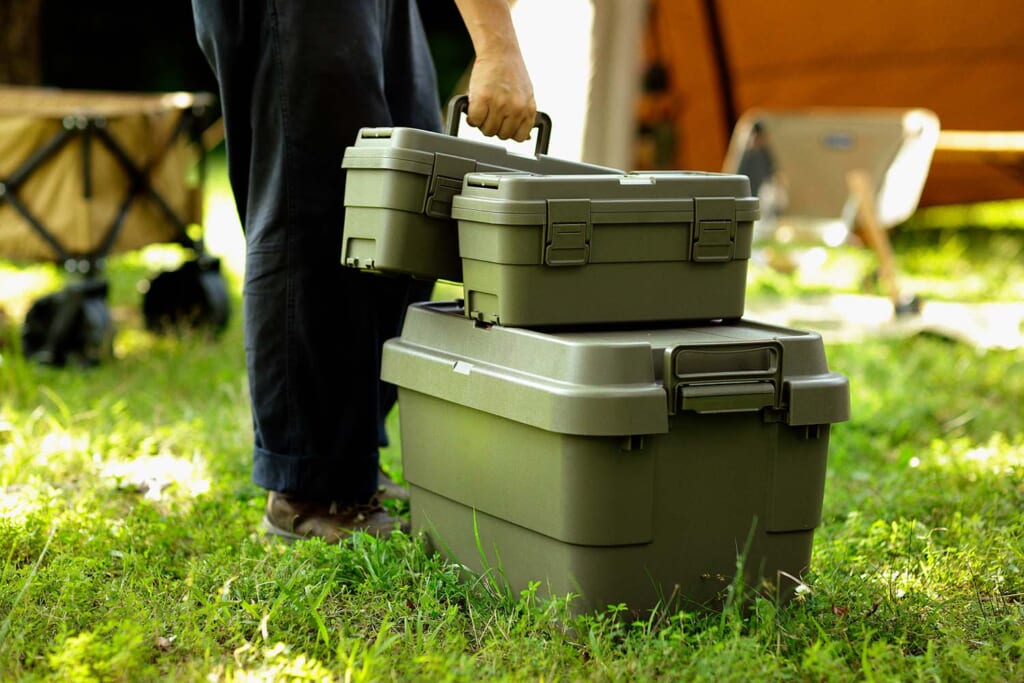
column 459, row 105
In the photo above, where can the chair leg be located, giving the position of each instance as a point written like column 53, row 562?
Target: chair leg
column 877, row 238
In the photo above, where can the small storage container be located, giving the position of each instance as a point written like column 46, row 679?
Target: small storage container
column 577, row 249
column 629, row 466
column 399, row 188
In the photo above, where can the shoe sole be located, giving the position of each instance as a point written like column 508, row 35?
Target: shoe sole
column 270, row 529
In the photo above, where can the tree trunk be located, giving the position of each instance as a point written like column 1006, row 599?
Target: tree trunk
column 19, row 41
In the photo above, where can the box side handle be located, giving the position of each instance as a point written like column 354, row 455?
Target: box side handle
column 717, row 378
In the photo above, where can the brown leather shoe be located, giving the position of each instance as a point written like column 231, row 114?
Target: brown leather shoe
column 387, row 489
column 294, row 519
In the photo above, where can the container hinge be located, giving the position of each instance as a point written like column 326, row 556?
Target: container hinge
column 567, row 232
column 725, row 378
column 445, row 183
column 714, row 229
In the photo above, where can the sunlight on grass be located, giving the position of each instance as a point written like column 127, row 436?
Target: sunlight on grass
column 133, row 342
column 155, row 257
column 1001, row 214
column 114, row 651
column 21, row 283
column 17, row 502
column 939, row 555
column 43, row 446
column 1000, row 455
column 93, row 461
column 152, row 474
column 275, row 663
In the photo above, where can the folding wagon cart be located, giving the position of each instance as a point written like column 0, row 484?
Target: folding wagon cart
column 85, row 175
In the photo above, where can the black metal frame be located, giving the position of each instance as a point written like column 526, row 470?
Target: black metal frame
column 87, row 129
column 75, row 321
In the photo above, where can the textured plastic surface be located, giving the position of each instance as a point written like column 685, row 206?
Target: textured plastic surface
column 576, row 249
column 624, row 465
column 398, row 196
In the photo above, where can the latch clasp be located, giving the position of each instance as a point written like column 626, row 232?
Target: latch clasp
column 567, row 232
column 714, row 229
column 445, row 183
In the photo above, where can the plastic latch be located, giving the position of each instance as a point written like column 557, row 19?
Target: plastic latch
column 714, row 229
column 724, row 378
column 446, row 182
column 567, row 232
column 491, row 182
column 375, row 132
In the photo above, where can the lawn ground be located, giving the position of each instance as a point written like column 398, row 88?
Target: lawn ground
column 130, row 549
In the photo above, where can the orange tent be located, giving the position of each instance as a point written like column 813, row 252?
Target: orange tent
column 963, row 60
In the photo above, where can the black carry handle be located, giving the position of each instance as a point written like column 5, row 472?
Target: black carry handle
column 459, row 105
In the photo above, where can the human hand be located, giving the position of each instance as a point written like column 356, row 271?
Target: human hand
column 500, row 92
column 501, row 96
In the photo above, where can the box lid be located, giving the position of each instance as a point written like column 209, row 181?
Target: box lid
column 388, row 158
column 521, row 198
column 683, row 216
column 373, row 145
column 615, row 382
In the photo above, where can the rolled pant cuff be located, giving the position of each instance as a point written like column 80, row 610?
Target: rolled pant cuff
column 317, row 478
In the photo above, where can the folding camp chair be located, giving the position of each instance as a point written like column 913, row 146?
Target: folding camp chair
column 84, row 175
column 823, row 174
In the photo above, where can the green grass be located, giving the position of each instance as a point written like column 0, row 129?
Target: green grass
column 969, row 264
column 918, row 567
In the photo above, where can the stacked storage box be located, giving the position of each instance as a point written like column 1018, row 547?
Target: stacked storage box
column 585, row 249
column 595, row 415
column 399, row 187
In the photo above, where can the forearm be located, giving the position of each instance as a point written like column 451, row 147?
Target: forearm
column 489, row 23
column 500, row 92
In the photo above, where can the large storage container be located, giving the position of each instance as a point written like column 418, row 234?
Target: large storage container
column 626, row 466
column 563, row 250
column 398, row 196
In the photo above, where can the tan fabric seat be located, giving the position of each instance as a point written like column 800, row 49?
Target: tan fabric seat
column 60, row 165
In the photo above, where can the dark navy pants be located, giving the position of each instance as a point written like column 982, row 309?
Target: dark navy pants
column 297, row 79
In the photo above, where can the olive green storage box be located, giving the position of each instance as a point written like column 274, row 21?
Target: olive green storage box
column 626, row 466
column 643, row 247
column 398, row 196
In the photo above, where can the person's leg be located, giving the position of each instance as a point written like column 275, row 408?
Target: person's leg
column 410, row 85
column 313, row 328
column 229, row 38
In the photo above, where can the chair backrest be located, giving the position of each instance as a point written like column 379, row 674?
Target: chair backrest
column 799, row 162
